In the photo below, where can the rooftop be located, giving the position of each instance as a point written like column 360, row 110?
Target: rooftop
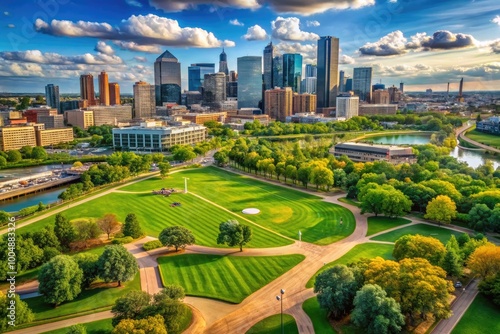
column 167, row 56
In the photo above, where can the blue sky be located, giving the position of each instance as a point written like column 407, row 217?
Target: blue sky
column 422, row 43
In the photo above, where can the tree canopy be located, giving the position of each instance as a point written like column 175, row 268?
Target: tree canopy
column 60, row 280
column 441, row 209
column 117, row 264
column 232, row 233
column 176, row 236
column 411, row 246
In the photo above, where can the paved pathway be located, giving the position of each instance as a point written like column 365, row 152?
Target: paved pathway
column 461, row 135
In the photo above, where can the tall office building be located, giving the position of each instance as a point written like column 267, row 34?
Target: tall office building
column 362, row 83
column 311, row 71
column 144, row 100
column 304, row 103
column 223, row 63
column 402, row 87
column 233, row 76
column 342, row 80
column 114, row 93
column 292, row 71
column 279, row 103
column 249, row 81
column 103, row 89
column 278, row 71
column 52, row 96
column 269, row 52
column 348, row 84
column 196, row 75
column 308, row 85
column 328, row 68
column 87, row 89
column 167, row 79
column 214, row 88
column 347, row 106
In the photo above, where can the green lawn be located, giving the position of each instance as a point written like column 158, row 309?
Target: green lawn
column 442, row 234
column 228, row 278
column 482, row 317
column 88, row 300
column 367, row 250
column 283, row 209
column 96, row 327
column 349, row 201
column 484, row 138
column 318, row 316
column 379, row 224
column 272, row 325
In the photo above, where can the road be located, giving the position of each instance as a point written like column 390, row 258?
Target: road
column 461, row 135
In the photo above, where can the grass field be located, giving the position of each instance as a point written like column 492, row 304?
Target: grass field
column 442, row 234
column 379, row 224
column 482, row 317
column 92, row 299
column 283, row 209
column 228, row 278
column 272, row 325
column 349, row 201
column 484, row 138
column 318, row 316
column 96, row 327
column 367, row 250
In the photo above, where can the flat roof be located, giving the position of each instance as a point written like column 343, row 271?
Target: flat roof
column 374, row 148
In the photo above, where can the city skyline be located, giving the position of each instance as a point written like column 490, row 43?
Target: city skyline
column 425, row 44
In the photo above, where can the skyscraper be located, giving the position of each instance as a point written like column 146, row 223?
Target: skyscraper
column 249, row 81
column 328, row 68
column 114, row 93
column 277, row 71
column 311, row 71
column 214, row 88
column 144, row 100
column 196, row 75
column 342, row 79
column 269, row 52
column 362, row 83
column 87, row 88
column 279, row 103
column 52, row 96
column 402, row 87
column 292, row 71
column 167, row 79
column 103, row 89
column 223, row 63
column 348, row 84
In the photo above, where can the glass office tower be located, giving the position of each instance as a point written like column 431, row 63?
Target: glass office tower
column 167, row 79
column 196, row 75
column 249, row 81
column 292, row 71
column 328, row 71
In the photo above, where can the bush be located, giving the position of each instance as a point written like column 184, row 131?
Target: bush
column 152, row 245
column 462, row 217
column 119, row 235
column 193, row 166
column 120, row 241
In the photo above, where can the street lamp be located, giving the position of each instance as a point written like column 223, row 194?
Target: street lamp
column 280, row 299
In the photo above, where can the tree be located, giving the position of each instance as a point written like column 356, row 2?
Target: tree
column 336, row 288
column 3, row 161
column 485, row 261
column 441, row 209
column 60, row 280
column 479, row 217
column 452, row 263
column 39, row 153
column 411, row 246
column 117, row 264
column 77, row 329
column 64, row 231
column 4, row 217
column 132, row 227
column 164, row 169
column 233, row 234
column 176, row 236
column 322, row 176
column 490, row 287
column 304, row 174
column 280, row 169
column 22, row 313
column 109, row 224
column 26, row 151
column 420, row 195
column 130, row 306
column 168, row 304
column 14, row 156
column 88, row 264
column 375, row 313
column 46, row 237
column 150, row 325
column 291, row 173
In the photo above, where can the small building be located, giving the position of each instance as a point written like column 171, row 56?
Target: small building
column 201, row 118
column 48, row 137
column 362, row 152
column 80, row 118
column 15, row 137
column 378, row 109
column 490, row 125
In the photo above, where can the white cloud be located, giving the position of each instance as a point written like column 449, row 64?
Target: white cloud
column 495, row 46
column 312, row 23
column 496, row 20
column 235, row 22
column 255, row 33
column 134, row 3
column 144, row 30
column 344, row 59
column 38, row 57
column 288, row 29
column 10, row 25
column 102, row 47
column 6, row 13
column 308, row 51
column 180, row 5
column 141, row 59
column 132, row 46
column 391, row 44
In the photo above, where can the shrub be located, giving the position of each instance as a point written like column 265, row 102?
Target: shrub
column 152, row 245
column 124, row 240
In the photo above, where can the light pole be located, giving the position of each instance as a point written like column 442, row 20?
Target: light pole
column 185, row 184
column 280, row 299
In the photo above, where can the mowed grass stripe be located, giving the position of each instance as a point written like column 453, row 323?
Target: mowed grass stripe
column 228, row 278
column 443, row 234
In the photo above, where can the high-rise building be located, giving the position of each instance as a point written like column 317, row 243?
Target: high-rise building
column 87, row 88
column 328, row 68
column 394, row 94
column 378, row 86
column 269, row 52
column 304, row 103
column 342, row 79
column 51, row 121
column 223, row 63
column 362, row 83
column 381, row 96
column 402, row 87
column 347, row 106
column 278, row 71
column 233, row 76
column 144, row 100
column 80, row 118
column 214, row 88
column 308, row 85
column 348, row 84
column 167, row 79
column 279, row 103
column 249, row 81
column 311, row 71
column 292, row 71
column 196, row 75
column 114, row 93
column 52, row 96
column 103, row 89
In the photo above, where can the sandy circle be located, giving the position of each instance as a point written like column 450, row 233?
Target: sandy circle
column 251, row 211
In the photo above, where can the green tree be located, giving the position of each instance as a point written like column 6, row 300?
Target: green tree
column 452, row 263
column 490, row 287
column 176, row 236
column 88, row 264
column 280, row 170
column 420, row 195
column 39, row 153
column 60, row 280
column 22, row 313
column 86, row 229
column 164, row 169
column 485, row 261
column 4, row 218
column 3, row 161
column 64, row 231
column 14, row 156
column 304, row 174
column 109, row 224
column 26, row 151
column 221, row 157
column 132, row 227
column 479, row 217
column 149, row 325
column 183, row 153
column 441, row 209
column 322, row 176
column 117, row 264
column 77, row 329
column 168, row 304
column 46, row 237
column 233, row 234
column 291, row 173
column 411, row 246
column 375, row 313
column 336, row 288
column 130, row 306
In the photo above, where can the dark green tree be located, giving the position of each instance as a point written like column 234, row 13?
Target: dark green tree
column 88, row 264
column 176, row 236
column 4, row 218
column 22, row 311
column 233, row 234
column 117, row 264
column 130, row 306
column 77, row 329
column 164, row 168
column 64, row 231
column 132, row 227
column 60, row 280
column 14, row 156
column 39, row 153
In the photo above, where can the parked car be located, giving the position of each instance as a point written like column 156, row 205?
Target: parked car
column 458, row 284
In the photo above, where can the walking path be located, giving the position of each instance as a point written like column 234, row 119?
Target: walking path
column 461, row 135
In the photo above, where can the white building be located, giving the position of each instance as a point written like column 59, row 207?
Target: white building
column 347, row 106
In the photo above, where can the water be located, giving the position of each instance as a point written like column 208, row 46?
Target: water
column 46, row 197
column 472, row 157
